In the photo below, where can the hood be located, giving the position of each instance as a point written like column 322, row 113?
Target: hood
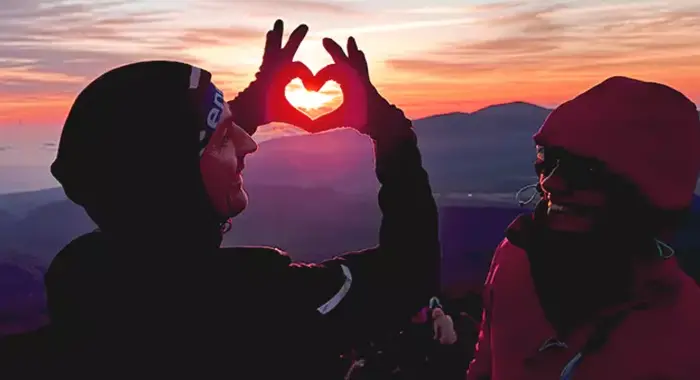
column 647, row 133
column 129, row 152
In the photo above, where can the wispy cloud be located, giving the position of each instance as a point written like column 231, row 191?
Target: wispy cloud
column 277, row 7
column 49, row 43
column 395, row 27
column 220, row 35
column 556, row 51
column 452, row 10
column 304, row 6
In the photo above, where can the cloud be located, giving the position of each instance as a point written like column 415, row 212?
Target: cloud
column 50, row 146
column 220, row 35
column 451, row 10
column 555, row 51
column 273, row 8
column 494, row 52
column 395, row 27
column 50, row 46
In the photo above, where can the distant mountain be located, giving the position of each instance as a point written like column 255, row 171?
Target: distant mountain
column 19, row 178
column 312, row 224
column 490, row 150
column 18, row 204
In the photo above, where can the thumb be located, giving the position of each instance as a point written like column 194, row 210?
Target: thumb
column 342, row 73
column 326, row 122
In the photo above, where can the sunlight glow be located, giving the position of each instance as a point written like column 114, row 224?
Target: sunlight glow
column 301, row 98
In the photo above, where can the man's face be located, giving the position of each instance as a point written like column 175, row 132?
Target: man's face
column 572, row 188
column 222, row 163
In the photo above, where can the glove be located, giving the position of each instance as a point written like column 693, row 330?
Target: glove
column 363, row 108
column 264, row 101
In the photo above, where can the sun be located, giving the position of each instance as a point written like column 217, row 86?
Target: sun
column 303, row 99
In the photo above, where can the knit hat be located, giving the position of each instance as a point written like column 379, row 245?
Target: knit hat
column 132, row 140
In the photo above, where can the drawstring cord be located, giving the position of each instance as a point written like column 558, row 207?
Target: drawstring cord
column 665, row 250
column 524, row 189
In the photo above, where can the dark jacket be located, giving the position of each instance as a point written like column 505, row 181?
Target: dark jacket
column 167, row 306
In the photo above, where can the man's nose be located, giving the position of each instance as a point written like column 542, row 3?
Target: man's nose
column 244, row 143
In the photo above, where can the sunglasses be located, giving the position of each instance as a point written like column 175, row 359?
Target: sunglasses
column 578, row 172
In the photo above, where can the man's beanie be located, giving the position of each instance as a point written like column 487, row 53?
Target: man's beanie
column 138, row 128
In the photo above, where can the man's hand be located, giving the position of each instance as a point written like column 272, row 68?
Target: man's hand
column 363, row 107
column 264, row 100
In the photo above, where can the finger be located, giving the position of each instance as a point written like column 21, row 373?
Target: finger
column 357, row 57
column 360, row 63
column 273, row 42
column 291, row 71
column 332, row 120
column 296, row 117
column 339, row 73
column 335, row 51
column 295, row 39
column 278, row 27
column 352, row 47
column 296, row 70
column 301, row 71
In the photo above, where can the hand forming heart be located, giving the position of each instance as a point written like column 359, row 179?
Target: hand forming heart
column 352, row 74
column 264, row 101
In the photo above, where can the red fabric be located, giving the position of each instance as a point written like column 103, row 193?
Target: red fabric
column 657, row 343
column 646, row 132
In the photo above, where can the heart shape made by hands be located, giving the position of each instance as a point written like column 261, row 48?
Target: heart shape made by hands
column 313, row 98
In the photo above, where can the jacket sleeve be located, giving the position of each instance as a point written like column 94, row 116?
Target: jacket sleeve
column 480, row 367
column 381, row 286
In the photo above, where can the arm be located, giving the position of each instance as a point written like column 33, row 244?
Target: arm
column 381, row 286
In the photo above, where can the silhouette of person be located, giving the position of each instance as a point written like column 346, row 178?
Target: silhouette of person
column 585, row 287
column 155, row 156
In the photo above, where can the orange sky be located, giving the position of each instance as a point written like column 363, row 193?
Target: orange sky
column 456, row 55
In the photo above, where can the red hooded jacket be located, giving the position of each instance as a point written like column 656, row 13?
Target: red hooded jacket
column 649, row 134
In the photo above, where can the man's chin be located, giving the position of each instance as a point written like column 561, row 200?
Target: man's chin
column 237, row 203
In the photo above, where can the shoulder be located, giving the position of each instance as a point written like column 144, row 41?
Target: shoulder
column 82, row 252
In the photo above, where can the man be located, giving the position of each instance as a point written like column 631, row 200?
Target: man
column 155, row 158
column 585, row 287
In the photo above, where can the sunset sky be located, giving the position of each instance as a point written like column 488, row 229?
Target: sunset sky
column 450, row 55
